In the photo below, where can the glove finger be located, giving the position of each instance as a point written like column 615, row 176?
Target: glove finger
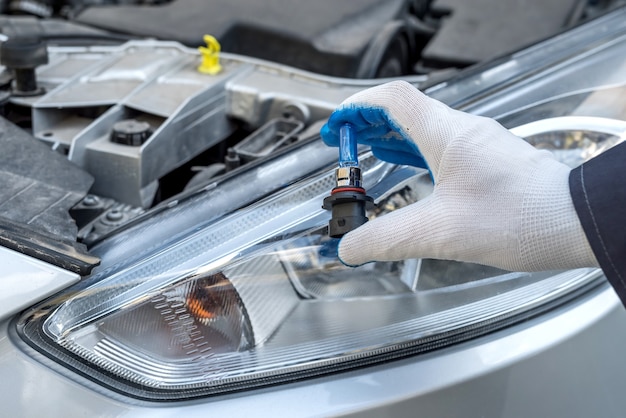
column 361, row 118
column 410, row 232
column 380, row 134
column 328, row 136
column 400, row 157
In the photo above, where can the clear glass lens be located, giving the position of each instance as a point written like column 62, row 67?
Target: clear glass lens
column 260, row 295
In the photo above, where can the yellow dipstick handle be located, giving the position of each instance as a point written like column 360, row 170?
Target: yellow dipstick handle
column 210, row 56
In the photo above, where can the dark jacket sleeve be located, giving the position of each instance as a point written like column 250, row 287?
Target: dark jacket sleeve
column 598, row 189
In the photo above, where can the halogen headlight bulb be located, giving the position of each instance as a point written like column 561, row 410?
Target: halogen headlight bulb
column 347, row 201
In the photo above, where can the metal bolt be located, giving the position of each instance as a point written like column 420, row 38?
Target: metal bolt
column 90, row 200
column 114, row 215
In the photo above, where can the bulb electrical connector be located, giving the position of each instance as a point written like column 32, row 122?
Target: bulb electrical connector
column 348, row 200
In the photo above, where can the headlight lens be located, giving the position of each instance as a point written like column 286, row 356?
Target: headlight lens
column 257, row 296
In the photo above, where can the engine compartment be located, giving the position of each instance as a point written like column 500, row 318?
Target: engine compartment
column 147, row 125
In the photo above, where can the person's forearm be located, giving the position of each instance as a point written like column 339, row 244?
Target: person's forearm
column 598, row 190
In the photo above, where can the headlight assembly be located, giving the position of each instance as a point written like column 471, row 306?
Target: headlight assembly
column 257, row 296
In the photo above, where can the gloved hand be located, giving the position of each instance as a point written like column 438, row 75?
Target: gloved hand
column 497, row 200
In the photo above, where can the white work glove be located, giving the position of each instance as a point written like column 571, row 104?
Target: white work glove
column 497, row 200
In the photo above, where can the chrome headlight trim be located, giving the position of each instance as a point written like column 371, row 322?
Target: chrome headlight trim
column 607, row 126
